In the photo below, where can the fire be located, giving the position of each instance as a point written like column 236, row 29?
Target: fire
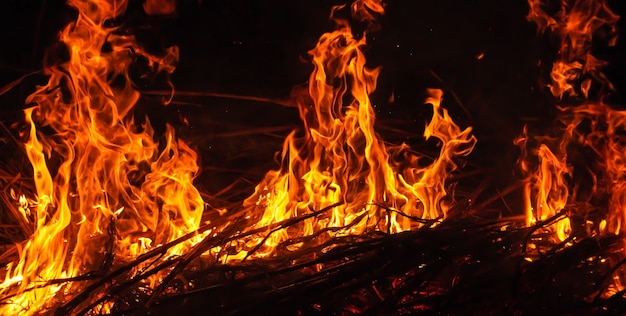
column 583, row 164
column 575, row 25
column 103, row 183
column 340, row 165
column 575, row 74
column 107, row 190
column 549, row 186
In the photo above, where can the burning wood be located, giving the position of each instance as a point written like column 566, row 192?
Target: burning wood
column 585, row 123
column 113, row 222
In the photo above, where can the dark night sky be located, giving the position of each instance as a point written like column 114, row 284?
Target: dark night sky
column 259, row 48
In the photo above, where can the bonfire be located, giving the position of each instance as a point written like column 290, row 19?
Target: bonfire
column 105, row 209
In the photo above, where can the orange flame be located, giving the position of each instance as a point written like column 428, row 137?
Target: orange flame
column 593, row 126
column 105, row 185
column 99, row 171
column 575, row 26
column 606, row 140
column 341, row 164
column 574, row 73
column 548, row 184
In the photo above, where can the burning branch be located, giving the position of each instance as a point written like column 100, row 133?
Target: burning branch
column 114, row 224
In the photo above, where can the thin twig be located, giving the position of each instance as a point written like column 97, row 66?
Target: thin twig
column 414, row 218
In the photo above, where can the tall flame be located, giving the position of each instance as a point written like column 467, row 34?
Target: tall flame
column 340, row 164
column 587, row 122
column 549, row 187
column 96, row 169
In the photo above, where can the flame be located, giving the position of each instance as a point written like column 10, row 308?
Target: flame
column 599, row 129
column 606, row 140
column 548, row 184
column 575, row 25
column 576, row 72
column 105, row 186
column 102, row 182
column 340, row 164
column 590, row 129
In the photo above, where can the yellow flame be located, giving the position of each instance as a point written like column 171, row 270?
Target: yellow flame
column 111, row 172
column 101, row 170
column 341, row 163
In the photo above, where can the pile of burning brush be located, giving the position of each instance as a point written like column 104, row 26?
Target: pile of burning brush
column 101, row 215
